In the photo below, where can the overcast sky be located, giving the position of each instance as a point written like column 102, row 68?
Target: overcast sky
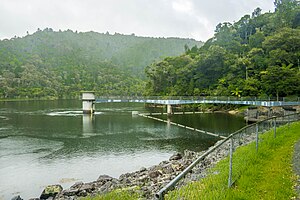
column 158, row 18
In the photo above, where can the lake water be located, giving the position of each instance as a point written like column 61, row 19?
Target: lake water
column 52, row 142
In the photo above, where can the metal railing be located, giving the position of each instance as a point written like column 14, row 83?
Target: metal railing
column 227, row 146
column 233, row 98
column 175, row 100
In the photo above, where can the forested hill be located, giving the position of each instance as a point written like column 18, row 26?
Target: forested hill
column 255, row 56
column 60, row 64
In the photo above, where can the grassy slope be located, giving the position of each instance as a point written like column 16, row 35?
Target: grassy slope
column 267, row 174
column 120, row 194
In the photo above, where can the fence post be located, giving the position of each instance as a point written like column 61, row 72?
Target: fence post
column 256, row 131
column 289, row 121
column 274, row 121
column 230, row 162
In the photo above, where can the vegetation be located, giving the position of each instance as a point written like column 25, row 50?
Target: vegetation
column 120, row 194
column 267, row 174
column 256, row 56
column 49, row 64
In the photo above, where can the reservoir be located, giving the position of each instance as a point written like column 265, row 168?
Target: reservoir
column 52, row 142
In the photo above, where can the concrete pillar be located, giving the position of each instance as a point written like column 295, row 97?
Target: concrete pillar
column 88, row 102
column 169, row 109
column 252, row 113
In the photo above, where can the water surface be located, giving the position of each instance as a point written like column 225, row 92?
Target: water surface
column 52, row 142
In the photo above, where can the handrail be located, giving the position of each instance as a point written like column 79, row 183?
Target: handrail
column 165, row 100
column 229, row 98
column 160, row 195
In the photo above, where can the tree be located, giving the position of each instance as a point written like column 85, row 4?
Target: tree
column 256, row 40
column 251, row 87
column 281, row 81
column 256, row 12
column 286, row 11
column 244, row 28
column 284, row 46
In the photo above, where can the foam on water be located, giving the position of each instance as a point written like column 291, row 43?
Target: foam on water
column 69, row 113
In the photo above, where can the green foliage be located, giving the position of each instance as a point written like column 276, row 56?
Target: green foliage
column 280, row 81
column 267, row 174
column 49, row 64
column 283, row 47
column 119, row 194
column 287, row 11
column 246, row 58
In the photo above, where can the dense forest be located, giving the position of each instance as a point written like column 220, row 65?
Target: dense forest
column 255, row 56
column 60, row 64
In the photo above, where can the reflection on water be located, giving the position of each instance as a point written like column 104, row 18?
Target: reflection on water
column 50, row 142
column 88, row 122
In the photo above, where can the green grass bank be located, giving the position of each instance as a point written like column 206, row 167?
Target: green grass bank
column 266, row 174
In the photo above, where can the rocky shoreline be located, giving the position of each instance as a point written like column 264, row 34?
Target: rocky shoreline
column 146, row 181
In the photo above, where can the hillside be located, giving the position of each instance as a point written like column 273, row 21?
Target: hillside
column 60, row 64
column 255, row 56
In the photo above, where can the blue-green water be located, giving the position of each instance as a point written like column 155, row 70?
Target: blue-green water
column 52, row 142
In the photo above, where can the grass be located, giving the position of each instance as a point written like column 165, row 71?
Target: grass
column 266, row 175
column 119, row 194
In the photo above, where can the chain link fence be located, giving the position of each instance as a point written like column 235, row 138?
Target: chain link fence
column 224, row 148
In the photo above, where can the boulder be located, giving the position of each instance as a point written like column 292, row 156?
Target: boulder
column 125, row 181
column 77, row 185
column 143, row 169
column 51, row 191
column 70, row 192
column 106, row 187
column 154, row 174
column 104, row 178
column 188, row 154
column 88, row 187
column 167, row 169
column 176, row 156
column 17, row 198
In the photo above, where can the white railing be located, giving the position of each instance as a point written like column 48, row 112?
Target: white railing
column 166, row 100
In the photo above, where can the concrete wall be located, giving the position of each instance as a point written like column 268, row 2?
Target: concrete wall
column 88, row 107
column 252, row 113
column 88, row 102
column 88, row 96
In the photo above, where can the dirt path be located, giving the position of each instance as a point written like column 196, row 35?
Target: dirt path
column 296, row 163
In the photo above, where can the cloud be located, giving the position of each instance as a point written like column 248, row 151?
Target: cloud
column 182, row 6
column 158, row 18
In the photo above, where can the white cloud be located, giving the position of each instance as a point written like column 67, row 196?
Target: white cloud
column 182, row 6
column 169, row 18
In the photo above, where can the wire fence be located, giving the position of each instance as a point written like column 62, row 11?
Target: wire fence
column 226, row 147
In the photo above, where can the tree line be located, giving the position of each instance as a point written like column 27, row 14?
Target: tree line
column 59, row 64
column 255, row 56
